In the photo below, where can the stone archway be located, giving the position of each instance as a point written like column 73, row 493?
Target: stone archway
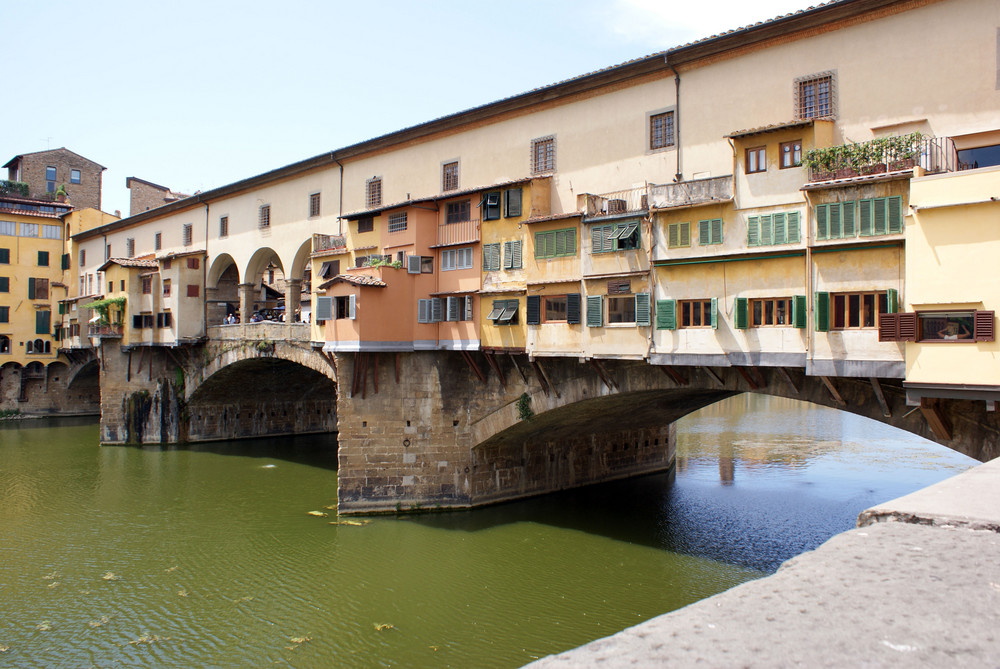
column 222, row 294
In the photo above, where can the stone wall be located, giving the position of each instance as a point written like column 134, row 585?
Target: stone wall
column 85, row 194
column 58, row 389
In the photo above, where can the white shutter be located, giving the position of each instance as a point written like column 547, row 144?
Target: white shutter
column 352, row 306
column 324, row 308
column 413, row 264
column 468, row 307
column 436, row 308
column 453, row 313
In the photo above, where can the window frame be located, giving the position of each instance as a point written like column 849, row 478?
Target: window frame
column 510, row 210
column 710, row 232
column 683, row 231
column 457, row 258
column 188, row 234
column 542, row 250
column 396, row 222
column 449, row 175
column 492, row 211
column 807, row 105
column 796, row 154
column 75, row 176
column 147, row 285
column 655, row 140
column 366, row 224
column 707, row 309
column 543, row 154
column 314, row 204
column 758, row 163
column 373, row 192
column 459, row 211
column 264, row 216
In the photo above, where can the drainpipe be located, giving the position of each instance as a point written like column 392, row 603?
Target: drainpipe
column 204, row 277
column 340, row 197
column 677, row 122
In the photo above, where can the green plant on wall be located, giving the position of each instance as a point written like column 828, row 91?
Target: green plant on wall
column 858, row 156
column 524, row 410
column 102, row 307
column 382, row 262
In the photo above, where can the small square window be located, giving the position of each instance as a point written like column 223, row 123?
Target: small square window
column 192, row 290
column 756, row 160
column 74, row 176
column 449, row 176
column 791, row 154
column 661, row 130
column 188, row 234
column 43, row 258
column 223, row 226
column 397, row 222
column 264, row 216
column 314, row 205
column 158, row 241
column 543, row 154
column 373, row 192
column 366, row 224
column 458, row 212
column 815, row 96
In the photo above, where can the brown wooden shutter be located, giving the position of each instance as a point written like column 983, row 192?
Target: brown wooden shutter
column 984, row 326
column 907, row 326
column 888, row 327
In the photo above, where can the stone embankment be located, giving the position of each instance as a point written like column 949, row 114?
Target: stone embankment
column 917, row 584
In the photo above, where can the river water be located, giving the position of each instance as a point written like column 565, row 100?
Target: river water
column 209, row 557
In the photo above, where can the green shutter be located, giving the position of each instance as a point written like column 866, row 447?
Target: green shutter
column 753, row 231
column 895, row 206
column 65, row 261
column 596, row 239
column 717, row 231
column 542, row 243
column 570, row 242
column 685, row 234
column 865, row 209
column 836, row 229
column 673, row 235
column 892, row 300
column 642, row 309
column 799, row 311
column 62, row 308
column 573, row 308
column 741, row 313
column 534, row 309
column 4, row 256
column 822, row 306
column 594, row 317
column 42, row 322
column 666, row 314
column 715, row 313
column 508, row 255
column 704, row 234
column 848, row 218
column 780, row 230
column 766, row 231
column 822, row 223
column 793, row 227
column 31, row 289
column 879, row 224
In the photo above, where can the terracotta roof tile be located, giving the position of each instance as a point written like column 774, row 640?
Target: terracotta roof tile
column 357, row 280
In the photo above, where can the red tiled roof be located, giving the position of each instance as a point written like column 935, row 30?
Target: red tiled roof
column 800, row 123
column 357, row 280
column 553, row 217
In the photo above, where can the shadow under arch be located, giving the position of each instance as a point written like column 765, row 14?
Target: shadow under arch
column 222, row 264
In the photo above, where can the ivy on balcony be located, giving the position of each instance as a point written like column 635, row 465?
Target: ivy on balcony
column 882, row 154
column 14, row 188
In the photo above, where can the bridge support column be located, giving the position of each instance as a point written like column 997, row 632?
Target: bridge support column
column 248, row 295
column 293, row 295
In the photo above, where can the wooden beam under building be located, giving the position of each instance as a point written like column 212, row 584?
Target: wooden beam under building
column 936, row 420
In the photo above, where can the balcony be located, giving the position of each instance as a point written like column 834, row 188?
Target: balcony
column 462, row 232
column 882, row 156
column 329, row 243
column 634, row 201
column 691, row 193
column 99, row 331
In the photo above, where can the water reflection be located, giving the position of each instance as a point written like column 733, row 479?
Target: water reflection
column 216, row 561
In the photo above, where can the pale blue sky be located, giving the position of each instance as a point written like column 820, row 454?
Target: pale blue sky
column 195, row 94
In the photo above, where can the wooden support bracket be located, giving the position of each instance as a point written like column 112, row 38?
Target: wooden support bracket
column 543, row 378
column 608, row 380
column 491, row 359
column 150, row 377
column 375, row 372
column 828, row 382
column 472, row 365
column 745, row 373
column 674, row 375
column 520, row 373
column 128, row 371
column 397, row 369
column 329, row 360
column 715, row 377
column 880, row 396
column 936, row 420
column 788, row 378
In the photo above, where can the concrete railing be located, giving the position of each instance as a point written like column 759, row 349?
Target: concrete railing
column 260, row 331
column 686, row 193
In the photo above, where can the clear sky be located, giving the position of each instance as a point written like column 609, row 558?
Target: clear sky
column 196, row 94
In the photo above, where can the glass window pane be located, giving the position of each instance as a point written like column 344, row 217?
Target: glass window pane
column 868, row 316
column 854, row 311
column 839, row 307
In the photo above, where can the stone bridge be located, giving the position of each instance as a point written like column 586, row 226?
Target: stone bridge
column 461, row 429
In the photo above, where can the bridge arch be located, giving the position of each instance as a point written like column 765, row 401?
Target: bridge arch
column 300, row 262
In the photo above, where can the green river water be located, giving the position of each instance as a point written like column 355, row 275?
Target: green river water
column 208, row 557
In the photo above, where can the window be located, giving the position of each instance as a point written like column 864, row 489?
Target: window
column 853, row 311
column 192, row 290
column 980, row 156
column 140, row 321
column 553, row 309
column 122, row 284
column 223, row 226
column 770, row 312
column 373, row 192
column 158, row 241
column 107, row 252
column 504, row 312
column 880, row 216
column 458, row 308
column 815, row 96
column 344, row 307
column 4, row 256
column 4, row 284
column 264, row 216
column 188, row 234
column 167, row 263
column 430, row 310
column 449, row 176
column 166, row 287
column 83, row 258
column 938, row 326
column 414, row 265
column 147, row 285
column 621, row 309
column 661, row 130
column 512, row 202
column 615, row 237
column 38, row 289
column 29, row 229
column 43, row 323
column 8, row 228
column 192, row 263
column 366, row 224
column 782, row 228
column 456, row 259
column 50, row 179
column 314, row 204
column 710, row 232
column 543, row 154
column 512, row 254
column 491, row 206
column 791, row 154
column 555, row 243
column 678, row 235
column 698, row 313
column 4, row 344
column 52, row 232
column 756, row 160
column 43, row 258
column 74, row 176
column 164, row 319
column 4, row 314
column 458, row 212
column 130, row 247
column 491, row 257
column 397, row 222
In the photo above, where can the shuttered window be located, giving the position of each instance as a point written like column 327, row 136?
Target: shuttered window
column 555, row 243
column 534, row 310
column 880, row 216
column 512, row 202
column 666, row 314
column 710, row 231
column 642, row 309
column 324, row 308
column 573, row 308
column 43, row 321
column 491, row 257
column 678, row 235
column 595, row 317
column 512, row 254
column 836, row 220
column 769, row 229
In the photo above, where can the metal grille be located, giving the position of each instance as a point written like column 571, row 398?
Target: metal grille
column 815, row 96
column 373, row 192
column 449, row 176
column 661, row 130
column 397, row 222
column 543, row 154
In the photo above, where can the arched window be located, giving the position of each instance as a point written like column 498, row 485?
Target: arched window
column 29, row 347
column 4, row 344
column 48, row 347
column 39, row 346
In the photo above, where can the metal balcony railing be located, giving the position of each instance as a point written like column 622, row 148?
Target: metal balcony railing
column 879, row 156
column 327, row 242
column 458, row 233
column 105, row 331
column 617, row 203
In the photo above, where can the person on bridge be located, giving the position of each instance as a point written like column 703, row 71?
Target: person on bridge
column 954, row 330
